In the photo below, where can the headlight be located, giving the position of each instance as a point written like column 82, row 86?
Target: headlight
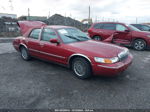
column 148, row 35
column 106, row 60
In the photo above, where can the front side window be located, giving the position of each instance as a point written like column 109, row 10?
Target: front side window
column 109, row 26
column 48, row 34
column 120, row 27
column 35, row 33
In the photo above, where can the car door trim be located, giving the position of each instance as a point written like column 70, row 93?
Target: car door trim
column 49, row 54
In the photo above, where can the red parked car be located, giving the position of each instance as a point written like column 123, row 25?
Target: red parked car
column 73, row 48
column 127, row 35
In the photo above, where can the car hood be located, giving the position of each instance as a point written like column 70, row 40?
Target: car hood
column 95, row 48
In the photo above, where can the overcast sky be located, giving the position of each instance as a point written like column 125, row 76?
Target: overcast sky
column 105, row 10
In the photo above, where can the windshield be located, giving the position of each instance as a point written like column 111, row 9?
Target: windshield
column 133, row 28
column 70, row 35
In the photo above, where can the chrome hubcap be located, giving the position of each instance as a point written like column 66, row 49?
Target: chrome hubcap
column 79, row 68
column 24, row 53
column 139, row 45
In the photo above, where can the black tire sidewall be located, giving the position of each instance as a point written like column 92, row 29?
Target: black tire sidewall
column 28, row 56
column 141, row 41
column 87, row 66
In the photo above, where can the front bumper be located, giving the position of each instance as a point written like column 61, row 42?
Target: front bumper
column 112, row 69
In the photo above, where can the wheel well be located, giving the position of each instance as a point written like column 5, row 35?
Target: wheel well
column 139, row 39
column 76, row 56
column 21, row 47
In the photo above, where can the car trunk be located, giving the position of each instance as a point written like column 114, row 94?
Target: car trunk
column 26, row 25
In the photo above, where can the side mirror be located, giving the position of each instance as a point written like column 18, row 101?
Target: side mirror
column 54, row 41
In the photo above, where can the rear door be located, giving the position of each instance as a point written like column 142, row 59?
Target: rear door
column 33, row 42
column 124, row 35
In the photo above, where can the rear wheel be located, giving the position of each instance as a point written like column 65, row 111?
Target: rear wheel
column 24, row 53
column 81, row 68
column 98, row 38
column 139, row 44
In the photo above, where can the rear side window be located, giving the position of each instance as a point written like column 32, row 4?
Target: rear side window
column 35, row 33
column 48, row 34
column 109, row 26
column 98, row 26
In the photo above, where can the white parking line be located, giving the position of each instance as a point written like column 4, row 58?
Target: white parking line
column 6, row 48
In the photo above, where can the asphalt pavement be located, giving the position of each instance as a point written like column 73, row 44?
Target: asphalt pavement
column 37, row 84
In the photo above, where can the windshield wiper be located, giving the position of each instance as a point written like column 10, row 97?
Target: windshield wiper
column 72, row 37
column 83, row 37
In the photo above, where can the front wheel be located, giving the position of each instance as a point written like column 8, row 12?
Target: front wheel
column 24, row 53
column 139, row 44
column 81, row 68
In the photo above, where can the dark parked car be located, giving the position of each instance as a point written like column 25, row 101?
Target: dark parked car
column 73, row 48
column 127, row 35
column 142, row 27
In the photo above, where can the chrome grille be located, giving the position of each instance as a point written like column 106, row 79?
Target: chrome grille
column 123, row 55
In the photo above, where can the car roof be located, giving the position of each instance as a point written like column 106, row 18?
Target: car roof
column 57, row 26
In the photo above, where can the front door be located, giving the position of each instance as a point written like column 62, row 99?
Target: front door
column 51, row 51
column 123, row 35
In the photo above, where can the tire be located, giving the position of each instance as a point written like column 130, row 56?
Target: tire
column 139, row 45
column 24, row 54
column 98, row 38
column 81, row 68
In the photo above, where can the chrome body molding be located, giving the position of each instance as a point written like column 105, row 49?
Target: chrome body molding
column 77, row 54
column 49, row 54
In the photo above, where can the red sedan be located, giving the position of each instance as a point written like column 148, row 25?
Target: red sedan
column 127, row 35
column 73, row 48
